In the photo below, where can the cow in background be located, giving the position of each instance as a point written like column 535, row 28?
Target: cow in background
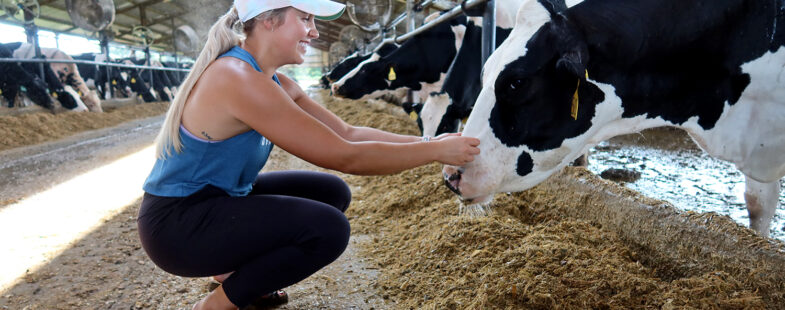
column 136, row 82
column 350, row 62
column 67, row 72
column 160, row 83
column 443, row 111
column 97, row 76
column 176, row 77
column 420, row 63
column 66, row 96
column 564, row 81
column 14, row 78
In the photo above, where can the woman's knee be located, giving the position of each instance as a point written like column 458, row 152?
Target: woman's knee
column 334, row 231
column 339, row 191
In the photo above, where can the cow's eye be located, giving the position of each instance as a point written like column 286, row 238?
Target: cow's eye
column 515, row 85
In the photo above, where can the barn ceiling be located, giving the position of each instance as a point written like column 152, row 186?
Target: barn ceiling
column 163, row 16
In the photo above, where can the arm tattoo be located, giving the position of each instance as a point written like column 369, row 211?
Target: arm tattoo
column 206, row 135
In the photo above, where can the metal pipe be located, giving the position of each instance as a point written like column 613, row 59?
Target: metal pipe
column 446, row 16
column 488, row 30
column 89, row 62
column 403, row 15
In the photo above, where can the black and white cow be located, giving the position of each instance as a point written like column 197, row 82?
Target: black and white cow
column 160, row 83
column 66, row 96
column 350, row 62
column 14, row 78
column 175, row 77
column 136, row 82
column 443, row 111
column 562, row 82
column 420, row 64
column 97, row 76
column 67, row 72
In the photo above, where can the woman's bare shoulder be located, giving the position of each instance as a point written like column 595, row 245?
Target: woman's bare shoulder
column 290, row 86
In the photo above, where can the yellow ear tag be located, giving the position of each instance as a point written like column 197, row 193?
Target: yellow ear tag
column 391, row 76
column 413, row 115
column 576, row 100
column 80, row 93
column 133, row 80
column 463, row 121
column 54, row 95
column 114, row 82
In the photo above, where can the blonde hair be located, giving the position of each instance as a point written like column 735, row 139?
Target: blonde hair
column 221, row 37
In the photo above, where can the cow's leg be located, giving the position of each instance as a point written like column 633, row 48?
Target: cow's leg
column 581, row 161
column 762, row 201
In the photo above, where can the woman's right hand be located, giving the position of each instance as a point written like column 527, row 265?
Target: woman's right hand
column 457, row 150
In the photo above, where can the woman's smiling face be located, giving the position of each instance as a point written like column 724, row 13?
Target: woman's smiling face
column 295, row 34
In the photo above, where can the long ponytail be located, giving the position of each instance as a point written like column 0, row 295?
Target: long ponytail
column 220, row 39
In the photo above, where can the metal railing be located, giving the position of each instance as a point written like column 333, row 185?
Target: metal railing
column 444, row 17
column 90, row 62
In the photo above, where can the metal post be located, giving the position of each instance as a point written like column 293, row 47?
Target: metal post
column 104, row 39
column 31, row 30
column 148, row 63
column 410, row 27
column 174, row 44
column 488, row 30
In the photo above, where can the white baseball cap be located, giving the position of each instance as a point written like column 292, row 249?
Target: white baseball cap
column 321, row 9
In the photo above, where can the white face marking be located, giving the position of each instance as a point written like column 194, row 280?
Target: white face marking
column 432, row 113
column 340, row 82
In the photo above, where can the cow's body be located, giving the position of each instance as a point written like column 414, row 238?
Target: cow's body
column 444, row 110
column 160, row 83
column 55, row 88
column 715, row 69
column 136, row 82
column 67, row 72
column 100, row 78
column 14, row 78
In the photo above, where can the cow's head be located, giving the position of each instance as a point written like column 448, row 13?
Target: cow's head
column 437, row 115
column 413, row 110
column 137, row 84
column 537, row 109
column 421, row 59
column 374, row 74
column 352, row 61
column 119, row 83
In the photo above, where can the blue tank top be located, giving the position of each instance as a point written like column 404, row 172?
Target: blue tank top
column 231, row 164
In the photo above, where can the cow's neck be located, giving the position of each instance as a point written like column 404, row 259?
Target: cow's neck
column 675, row 75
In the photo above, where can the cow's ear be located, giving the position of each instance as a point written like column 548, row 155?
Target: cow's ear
column 554, row 6
column 417, row 107
column 573, row 51
column 574, row 61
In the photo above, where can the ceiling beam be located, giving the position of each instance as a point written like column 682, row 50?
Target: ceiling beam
column 136, row 5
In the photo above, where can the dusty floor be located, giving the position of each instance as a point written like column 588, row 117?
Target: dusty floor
column 415, row 247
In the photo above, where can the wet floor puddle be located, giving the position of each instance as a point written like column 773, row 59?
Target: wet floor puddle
column 672, row 169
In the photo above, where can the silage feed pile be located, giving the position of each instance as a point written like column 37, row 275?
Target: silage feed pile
column 39, row 127
column 527, row 253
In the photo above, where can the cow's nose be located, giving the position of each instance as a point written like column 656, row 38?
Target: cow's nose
column 334, row 89
column 452, row 178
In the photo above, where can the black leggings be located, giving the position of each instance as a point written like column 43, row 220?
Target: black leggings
column 288, row 227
